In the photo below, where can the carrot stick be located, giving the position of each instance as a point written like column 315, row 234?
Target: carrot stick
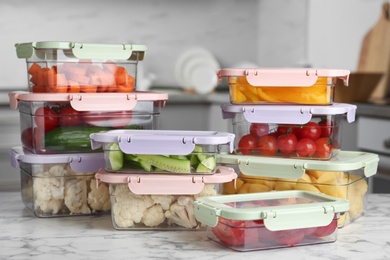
column 34, row 69
column 88, row 88
column 74, row 87
column 120, row 76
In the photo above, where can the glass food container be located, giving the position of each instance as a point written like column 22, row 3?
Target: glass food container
column 344, row 176
column 282, row 86
column 246, row 222
column 141, row 201
column 74, row 67
column 59, row 185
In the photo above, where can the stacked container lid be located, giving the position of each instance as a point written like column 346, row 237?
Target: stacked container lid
column 75, row 89
column 288, row 140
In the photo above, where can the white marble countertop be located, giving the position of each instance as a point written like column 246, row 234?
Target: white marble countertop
column 23, row 236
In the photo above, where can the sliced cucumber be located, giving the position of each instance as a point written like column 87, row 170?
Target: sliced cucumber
column 167, row 163
column 201, row 168
column 194, row 161
column 180, row 157
column 115, row 157
column 209, row 162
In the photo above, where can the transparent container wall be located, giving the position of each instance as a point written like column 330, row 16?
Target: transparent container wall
column 59, row 71
column 130, row 211
column 346, row 185
column 202, row 160
column 249, row 235
column 55, row 190
column 55, row 127
column 321, row 93
column 319, row 139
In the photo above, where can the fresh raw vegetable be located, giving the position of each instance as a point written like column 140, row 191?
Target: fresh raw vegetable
column 198, row 161
column 83, row 76
column 46, row 118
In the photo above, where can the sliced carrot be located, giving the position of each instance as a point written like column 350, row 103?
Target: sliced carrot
column 81, row 79
column 120, row 75
column 74, row 87
column 108, row 81
column 38, row 89
column 33, row 79
column 110, row 66
column 51, row 77
column 61, row 80
column 88, row 88
column 41, row 77
column 35, row 67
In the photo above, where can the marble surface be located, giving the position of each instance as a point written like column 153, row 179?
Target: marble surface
column 23, row 236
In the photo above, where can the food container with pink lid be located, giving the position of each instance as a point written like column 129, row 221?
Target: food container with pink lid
column 59, row 185
column 345, row 176
column 269, row 220
column 62, row 123
column 162, row 151
column 160, row 202
column 74, row 67
column 305, row 86
column 290, row 131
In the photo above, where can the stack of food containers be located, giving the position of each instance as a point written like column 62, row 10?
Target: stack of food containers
column 154, row 176
column 75, row 89
column 288, row 138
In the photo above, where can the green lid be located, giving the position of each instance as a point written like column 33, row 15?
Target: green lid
column 280, row 210
column 85, row 50
column 295, row 168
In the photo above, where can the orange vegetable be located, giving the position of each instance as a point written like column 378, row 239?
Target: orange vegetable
column 35, row 67
column 120, row 75
column 88, row 88
column 74, row 87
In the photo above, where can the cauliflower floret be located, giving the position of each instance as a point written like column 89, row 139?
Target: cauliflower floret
column 49, row 190
column 182, row 212
column 76, row 196
column 99, row 198
column 208, row 190
column 129, row 208
column 153, row 216
column 164, row 200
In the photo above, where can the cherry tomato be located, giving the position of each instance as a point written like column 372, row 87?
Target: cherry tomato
column 45, row 119
column 70, row 117
column 306, row 147
column 258, row 129
column 267, row 145
column 285, row 129
column 324, row 147
column 289, row 237
column 26, row 138
column 287, row 143
column 326, row 230
column 326, row 128
column 311, row 130
column 247, row 144
column 235, row 232
column 30, row 142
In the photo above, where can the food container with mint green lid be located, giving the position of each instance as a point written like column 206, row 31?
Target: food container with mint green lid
column 305, row 86
column 291, row 131
column 162, row 151
column 62, row 123
column 59, row 185
column 268, row 220
column 71, row 67
column 344, row 176
column 142, row 201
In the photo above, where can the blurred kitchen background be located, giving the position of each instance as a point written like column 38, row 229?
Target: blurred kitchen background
column 237, row 33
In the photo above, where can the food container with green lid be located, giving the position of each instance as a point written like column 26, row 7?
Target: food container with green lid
column 267, row 220
column 344, row 176
column 305, row 86
column 60, row 185
column 62, row 123
column 290, row 131
column 161, row 151
column 141, row 201
column 71, row 67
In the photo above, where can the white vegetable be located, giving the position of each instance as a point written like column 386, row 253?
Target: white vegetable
column 153, row 216
column 99, row 198
column 182, row 213
column 76, row 196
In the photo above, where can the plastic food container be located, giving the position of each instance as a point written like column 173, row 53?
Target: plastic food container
column 268, row 220
column 161, row 202
column 62, row 123
column 62, row 184
column 72, row 67
column 161, row 151
column 344, row 176
column 291, row 131
column 282, row 86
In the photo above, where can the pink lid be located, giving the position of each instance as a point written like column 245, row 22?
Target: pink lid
column 284, row 76
column 90, row 101
column 161, row 184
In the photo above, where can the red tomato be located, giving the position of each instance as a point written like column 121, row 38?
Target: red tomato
column 26, row 137
column 326, row 230
column 311, row 130
column 267, row 145
column 287, row 143
column 285, row 129
column 289, row 237
column 326, row 128
column 32, row 143
column 235, row 232
column 324, row 147
column 247, row 144
column 306, row 147
column 70, row 117
column 258, row 129
column 45, row 119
